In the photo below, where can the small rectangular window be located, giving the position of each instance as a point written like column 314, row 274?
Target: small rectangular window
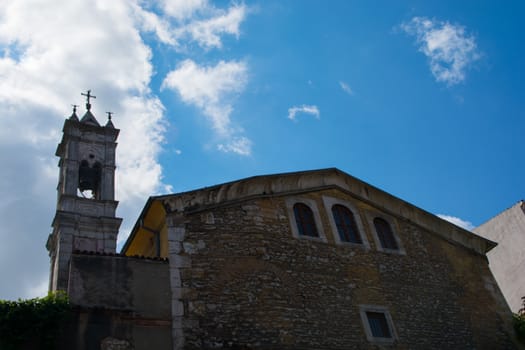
column 378, row 324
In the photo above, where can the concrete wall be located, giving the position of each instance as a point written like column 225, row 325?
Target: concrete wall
column 244, row 281
column 507, row 260
column 120, row 303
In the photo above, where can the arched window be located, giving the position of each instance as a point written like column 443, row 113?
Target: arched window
column 89, row 178
column 346, row 226
column 304, row 218
column 385, row 234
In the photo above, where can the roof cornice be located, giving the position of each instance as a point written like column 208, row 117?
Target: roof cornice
column 316, row 180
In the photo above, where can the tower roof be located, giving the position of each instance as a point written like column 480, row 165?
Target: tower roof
column 89, row 118
column 109, row 124
column 74, row 115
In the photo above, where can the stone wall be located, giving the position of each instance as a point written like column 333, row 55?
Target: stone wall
column 247, row 282
column 103, row 329
column 119, row 303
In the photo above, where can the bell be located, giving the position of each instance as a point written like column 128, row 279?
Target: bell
column 88, row 177
column 85, row 184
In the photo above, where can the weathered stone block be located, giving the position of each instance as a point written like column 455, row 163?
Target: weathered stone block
column 176, row 233
column 115, row 344
column 174, row 247
column 175, row 278
column 180, row 261
column 177, row 308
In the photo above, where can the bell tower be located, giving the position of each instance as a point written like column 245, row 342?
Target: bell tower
column 85, row 215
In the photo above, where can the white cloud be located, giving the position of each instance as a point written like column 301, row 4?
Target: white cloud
column 346, row 88
column 449, row 48
column 212, row 89
column 195, row 21
column 467, row 225
column 306, row 109
column 139, row 173
column 207, row 32
column 182, row 9
column 151, row 22
column 240, row 145
column 44, row 66
column 49, row 52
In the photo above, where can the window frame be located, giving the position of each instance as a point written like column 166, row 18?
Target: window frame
column 290, row 202
column 305, row 220
column 371, row 215
column 329, row 202
column 385, row 234
column 363, row 310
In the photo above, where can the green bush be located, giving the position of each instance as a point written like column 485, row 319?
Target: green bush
column 37, row 319
column 519, row 326
column 519, row 322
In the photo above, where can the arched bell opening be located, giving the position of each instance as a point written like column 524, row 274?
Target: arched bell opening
column 89, row 177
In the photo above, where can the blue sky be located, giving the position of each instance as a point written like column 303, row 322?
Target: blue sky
column 447, row 147
column 422, row 99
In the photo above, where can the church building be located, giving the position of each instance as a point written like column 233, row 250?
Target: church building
column 305, row 260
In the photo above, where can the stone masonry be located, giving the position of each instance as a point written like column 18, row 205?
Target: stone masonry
column 87, row 159
column 240, row 279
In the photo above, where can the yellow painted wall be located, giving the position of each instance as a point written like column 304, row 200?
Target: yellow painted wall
column 151, row 237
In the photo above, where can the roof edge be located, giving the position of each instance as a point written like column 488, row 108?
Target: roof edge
column 520, row 204
column 137, row 225
column 312, row 180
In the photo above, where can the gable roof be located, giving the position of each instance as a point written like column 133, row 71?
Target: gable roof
column 308, row 181
column 89, row 118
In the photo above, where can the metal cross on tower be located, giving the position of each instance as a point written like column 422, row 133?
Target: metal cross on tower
column 88, row 96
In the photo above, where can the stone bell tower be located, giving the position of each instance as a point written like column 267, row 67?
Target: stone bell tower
column 85, row 216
